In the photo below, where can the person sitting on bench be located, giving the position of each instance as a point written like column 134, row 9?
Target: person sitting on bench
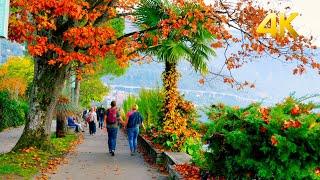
column 72, row 123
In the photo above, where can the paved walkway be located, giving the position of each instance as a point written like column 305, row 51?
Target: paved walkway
column 91, row 161
column 9, row 138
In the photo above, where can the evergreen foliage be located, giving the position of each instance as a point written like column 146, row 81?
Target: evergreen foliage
column 12, row 112
column 280, row 142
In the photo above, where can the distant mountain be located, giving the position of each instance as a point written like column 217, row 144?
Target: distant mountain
column 273, row 79
column 8, row 48
column 149, row 76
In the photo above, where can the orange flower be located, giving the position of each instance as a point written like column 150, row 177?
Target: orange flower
column 291, row 123
column 296, row 124
column 265, row 114
column 295, row 110
column 263, row 129
column 286, row 124
column 318, row 171
column 274, row 140
column 236, row 107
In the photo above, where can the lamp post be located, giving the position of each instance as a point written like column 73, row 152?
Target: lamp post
column 4, row 18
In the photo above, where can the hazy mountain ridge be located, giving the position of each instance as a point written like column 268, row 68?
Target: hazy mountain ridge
column 8, row 48
column 274, row 80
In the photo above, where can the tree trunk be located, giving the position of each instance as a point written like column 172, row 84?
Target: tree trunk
column 61, row 126
column 170, row 83
column 77, row 92
column 47, row 85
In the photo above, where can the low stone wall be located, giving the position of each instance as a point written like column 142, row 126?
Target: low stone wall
column 174, row 175
column 155, row 154
column 168, row 159
column 174, row 158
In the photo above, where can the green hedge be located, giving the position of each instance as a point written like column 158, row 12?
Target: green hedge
column 149, row 103
column 12, row 112
column 280, row 142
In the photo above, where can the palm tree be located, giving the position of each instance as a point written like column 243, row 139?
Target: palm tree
column 175, row 47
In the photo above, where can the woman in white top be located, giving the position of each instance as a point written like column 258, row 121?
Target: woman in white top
column 92, row 121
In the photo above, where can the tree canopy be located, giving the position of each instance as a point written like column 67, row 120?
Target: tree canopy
column 16, row 75
column 77, row 30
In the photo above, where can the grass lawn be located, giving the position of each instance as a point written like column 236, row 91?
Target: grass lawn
column 28, row 162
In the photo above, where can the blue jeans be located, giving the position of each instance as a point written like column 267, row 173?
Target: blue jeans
column 101, row 122
column 112, row 138
column 132, row 138
column 92, row 127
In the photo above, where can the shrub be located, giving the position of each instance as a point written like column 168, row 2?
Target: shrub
column 173, row 134
column 280, row 142
column 149, row 103
column 193, row 147
column 12, row 112
column 128, row 103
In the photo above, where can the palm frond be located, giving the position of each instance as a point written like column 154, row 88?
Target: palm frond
column 195, row 49
column 149, row 12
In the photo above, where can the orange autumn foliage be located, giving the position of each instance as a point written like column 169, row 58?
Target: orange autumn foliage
column 15, row 75
column 16, row 86
column 73, row 30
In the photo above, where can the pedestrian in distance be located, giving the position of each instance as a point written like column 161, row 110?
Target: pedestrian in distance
column 133, row 123
column 84, row 116
column 92, row 119
column 100, row 112
column 112, row 120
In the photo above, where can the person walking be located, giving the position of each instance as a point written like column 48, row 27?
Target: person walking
column 112, row 119
column 100, row 113
column 84, row 116
column 92, row 119
column 134, row 120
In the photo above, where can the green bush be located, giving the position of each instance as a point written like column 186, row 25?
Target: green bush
column 280, row 142
column 193, row 147
column 12, row 112
column 149, row 103
column 128, row 103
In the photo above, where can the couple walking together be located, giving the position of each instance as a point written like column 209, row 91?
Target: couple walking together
column 112, row 121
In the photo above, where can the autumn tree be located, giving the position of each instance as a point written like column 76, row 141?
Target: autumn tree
column 190, row 45
column 59, row 33
column 103, row 67
column 16, row 76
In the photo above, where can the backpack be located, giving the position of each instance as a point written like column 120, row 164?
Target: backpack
column 88, row 117
column 84, row 114
column 134, row 120
column 112, row 116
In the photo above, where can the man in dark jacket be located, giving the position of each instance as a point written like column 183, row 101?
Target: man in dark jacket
column 100, row 114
